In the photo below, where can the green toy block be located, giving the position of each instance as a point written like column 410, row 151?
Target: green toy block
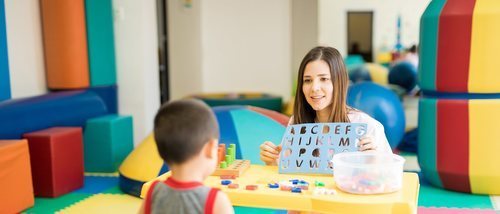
column 101, row 43
column 107, row 142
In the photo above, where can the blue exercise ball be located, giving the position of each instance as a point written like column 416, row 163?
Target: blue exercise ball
column 381, row 104
column 359, row 74
column 403, row 74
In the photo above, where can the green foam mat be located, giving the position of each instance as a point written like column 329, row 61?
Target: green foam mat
column 430, row 196
column 51, row 205
column 251, row 210
column 114, row 190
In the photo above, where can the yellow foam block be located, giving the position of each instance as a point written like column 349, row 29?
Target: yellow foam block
column 144, row 162
column 403, row 201
column 106, row 203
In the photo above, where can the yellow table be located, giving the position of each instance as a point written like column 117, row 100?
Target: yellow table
column 403, row 201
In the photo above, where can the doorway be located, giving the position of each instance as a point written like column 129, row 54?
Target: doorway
column 161, row 6
column 360, row 34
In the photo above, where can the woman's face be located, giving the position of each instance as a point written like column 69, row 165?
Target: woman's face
column 317, row 85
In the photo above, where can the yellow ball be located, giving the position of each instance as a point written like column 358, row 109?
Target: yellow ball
column 378, row 73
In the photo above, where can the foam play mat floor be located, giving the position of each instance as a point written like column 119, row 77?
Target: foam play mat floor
column 101, row 194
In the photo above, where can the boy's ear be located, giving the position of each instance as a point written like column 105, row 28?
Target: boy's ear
column 210, row 147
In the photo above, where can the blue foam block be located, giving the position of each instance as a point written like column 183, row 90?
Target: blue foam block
column 109, row 95
column 4, row 59
column 70, row 108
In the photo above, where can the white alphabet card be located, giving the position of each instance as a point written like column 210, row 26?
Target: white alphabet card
column 309, row 148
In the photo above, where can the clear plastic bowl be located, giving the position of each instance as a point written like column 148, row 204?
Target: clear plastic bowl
column 368, row 172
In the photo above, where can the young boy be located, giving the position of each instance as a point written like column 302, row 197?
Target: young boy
column 186, row 134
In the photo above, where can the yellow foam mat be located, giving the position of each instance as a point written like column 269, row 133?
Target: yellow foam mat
column 106, row 203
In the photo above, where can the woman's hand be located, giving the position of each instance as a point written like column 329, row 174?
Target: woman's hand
column 366, row 144
column 269, row 153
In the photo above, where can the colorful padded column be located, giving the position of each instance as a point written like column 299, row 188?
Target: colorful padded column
column 460, row 76
column 4, row 59
column 458, row 45
column 65, row 44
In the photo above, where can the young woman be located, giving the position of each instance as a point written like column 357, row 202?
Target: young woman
column 321, row 98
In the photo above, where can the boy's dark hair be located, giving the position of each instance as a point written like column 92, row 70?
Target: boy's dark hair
column 181, row 129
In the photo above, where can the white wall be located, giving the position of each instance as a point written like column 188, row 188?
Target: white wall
column 230, row 46
column 333, row 18
column 136, row 57
column 304, row 31
column 137, row 62
column 246, row 46
column 184, row 41
column 25, row 48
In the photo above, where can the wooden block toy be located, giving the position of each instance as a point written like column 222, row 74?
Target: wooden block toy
column 56, row 160
column 233, row 186
column 107, row 142
column 228, row 165
column 15, row 176
column 221, row 153
column 237, row 168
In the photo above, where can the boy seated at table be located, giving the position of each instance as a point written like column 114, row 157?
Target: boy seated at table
column 186, row 134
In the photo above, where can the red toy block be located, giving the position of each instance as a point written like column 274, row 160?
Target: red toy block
column 15, row 176
column 56, row 160
column 233, row 186
column 251, row 187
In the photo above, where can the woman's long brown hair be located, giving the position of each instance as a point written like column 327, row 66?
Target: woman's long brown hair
column 302, row 111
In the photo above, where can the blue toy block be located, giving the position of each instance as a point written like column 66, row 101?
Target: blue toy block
column 296, row 190
column 107, row 142
column 109, row 95
column 4, row 59
column 69, row 108
column 273, row 185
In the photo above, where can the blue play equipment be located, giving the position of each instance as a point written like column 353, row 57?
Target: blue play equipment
column 354, row 60
column 4, row 59
column 403, row 74
column 383, row 105
column 68, row 108
column 359, row 74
